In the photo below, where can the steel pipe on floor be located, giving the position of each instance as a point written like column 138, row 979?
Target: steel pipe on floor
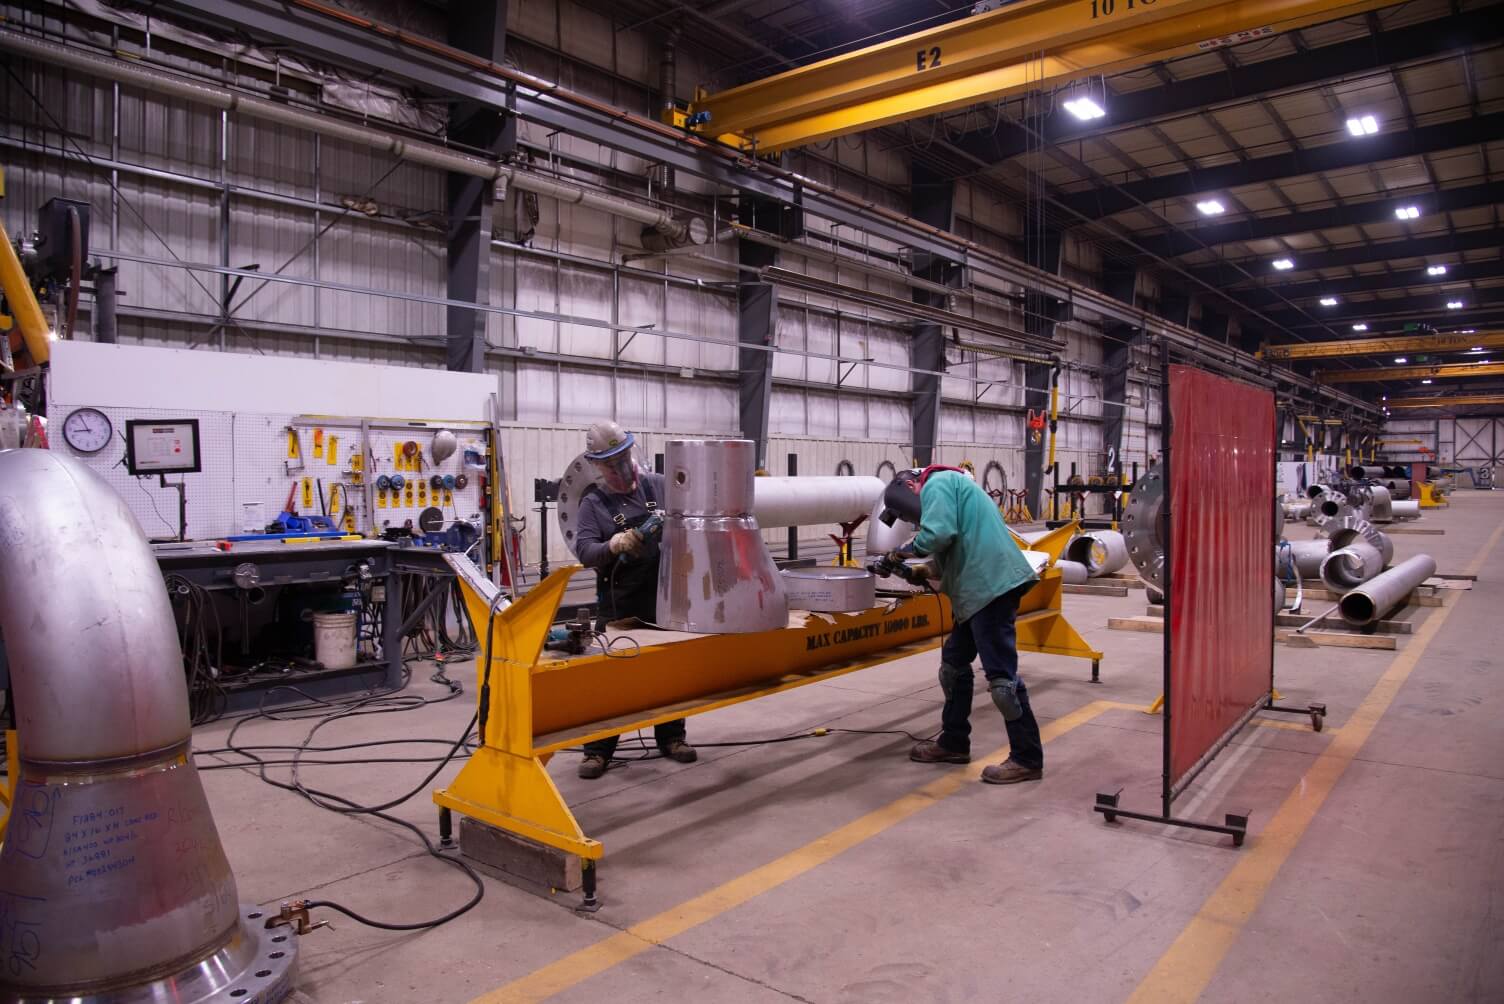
column 1351, row 566
column 1379, row 596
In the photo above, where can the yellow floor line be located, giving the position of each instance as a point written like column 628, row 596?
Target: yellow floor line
column 1188, row 965
column 590, row 961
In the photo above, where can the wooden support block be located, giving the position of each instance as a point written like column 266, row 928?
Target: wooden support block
column 1154, row 625
column 1459, row 576
column 1092, row 589
column 1337, row 639
column 1418, row 530
column 519, row 861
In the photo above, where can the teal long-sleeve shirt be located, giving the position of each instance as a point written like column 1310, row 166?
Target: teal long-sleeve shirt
column 961, row 526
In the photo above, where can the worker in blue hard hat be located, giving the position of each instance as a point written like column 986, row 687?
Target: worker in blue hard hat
column 984, row 574
column 617, row 532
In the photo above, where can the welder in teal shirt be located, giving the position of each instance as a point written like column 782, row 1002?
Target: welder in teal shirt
column 984, row 574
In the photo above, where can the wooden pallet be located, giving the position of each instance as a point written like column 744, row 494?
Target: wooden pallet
column 1095, row 589
column 1296, row 620
column 1312, row 638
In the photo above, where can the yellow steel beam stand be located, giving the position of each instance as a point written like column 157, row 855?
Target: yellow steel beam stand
column 23, row 303
column 1032, row 45
column 538, row 706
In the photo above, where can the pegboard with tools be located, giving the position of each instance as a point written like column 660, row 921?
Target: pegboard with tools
column 425, row 475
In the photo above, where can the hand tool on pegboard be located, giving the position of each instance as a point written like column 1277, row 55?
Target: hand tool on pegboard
column 318, row 444
column 294, row 462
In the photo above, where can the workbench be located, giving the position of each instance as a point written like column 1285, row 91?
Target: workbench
column 315, row 562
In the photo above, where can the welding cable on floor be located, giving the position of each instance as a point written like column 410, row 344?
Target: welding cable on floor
column 338, row 803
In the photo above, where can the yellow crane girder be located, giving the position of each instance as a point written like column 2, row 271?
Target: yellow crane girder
column 1445, row 342
column 1455, row 401
column 1411, row 372
column 1031, row 45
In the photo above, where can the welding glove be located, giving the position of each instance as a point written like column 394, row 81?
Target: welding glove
column 626, row 542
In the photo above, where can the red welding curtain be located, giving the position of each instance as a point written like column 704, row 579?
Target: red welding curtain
column 1221, row 557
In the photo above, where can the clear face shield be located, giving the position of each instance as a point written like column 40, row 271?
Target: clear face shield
column 619, row 473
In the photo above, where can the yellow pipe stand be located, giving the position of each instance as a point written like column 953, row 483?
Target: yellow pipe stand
column 539, row 705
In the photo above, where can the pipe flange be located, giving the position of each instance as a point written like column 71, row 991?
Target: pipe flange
column 1141, row 527
column 256, row 966
column 576, row 481
column 1331, row 508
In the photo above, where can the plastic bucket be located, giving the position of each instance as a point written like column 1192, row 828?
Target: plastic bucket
column 334, row 640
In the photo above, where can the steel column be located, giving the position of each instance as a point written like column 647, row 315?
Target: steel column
column 931, row 201
column 480, row 29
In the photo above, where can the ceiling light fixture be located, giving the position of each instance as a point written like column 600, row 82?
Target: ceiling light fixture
column 1436, row 270
column 1454, row 304
column 1085, row 109
column 1283, row 264
column 1401, row 359
column 1211, row 207
column 1426, row 380
column 1363, row 125
column 1406, row 212
column 1360, row 327
column 1476, row 348
column 1328, row 301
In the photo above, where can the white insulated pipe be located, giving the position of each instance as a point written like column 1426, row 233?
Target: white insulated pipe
column 808, row 501
column 427, row 154
column 1381, row 594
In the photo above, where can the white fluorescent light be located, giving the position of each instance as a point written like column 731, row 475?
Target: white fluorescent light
column 1467, row 331
column 1454, row 304
column 1363, row 125
column 1436, row 270
column 1283, row 264
column 1360, row 327
column 1476, row 348
column 1401, row 359
column 1406, row 212
column 1211, row 207
column 1328, row 301
column 1426, row 380
column 1085, row 109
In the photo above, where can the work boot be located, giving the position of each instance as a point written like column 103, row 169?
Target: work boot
column 680, row 751
column 1009, row 772
column 929, row 751
column 593, row 767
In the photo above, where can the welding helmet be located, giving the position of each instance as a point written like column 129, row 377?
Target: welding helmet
column 901, row 499
column 609, row 447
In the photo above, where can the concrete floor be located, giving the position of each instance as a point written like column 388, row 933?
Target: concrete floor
column 1386, row 885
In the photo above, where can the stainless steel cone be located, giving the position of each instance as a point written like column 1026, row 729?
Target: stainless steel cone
column 716, row 575
column 113, row 882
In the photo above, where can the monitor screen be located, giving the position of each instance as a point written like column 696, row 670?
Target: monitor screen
column 161, row 446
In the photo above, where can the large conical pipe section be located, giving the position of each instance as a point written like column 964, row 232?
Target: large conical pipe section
column 115, row 885
column 1380, row 595
column 716, row 575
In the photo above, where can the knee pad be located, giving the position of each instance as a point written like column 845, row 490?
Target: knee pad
column 953, row 677
column 1005, row 696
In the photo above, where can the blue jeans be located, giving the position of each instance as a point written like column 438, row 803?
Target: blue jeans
column 990, row 633
column 641, row 603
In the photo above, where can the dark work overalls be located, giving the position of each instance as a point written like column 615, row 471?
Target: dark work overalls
column 628, row 587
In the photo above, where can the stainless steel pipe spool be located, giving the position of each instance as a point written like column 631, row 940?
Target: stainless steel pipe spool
column 1308, row 556
column 1379, row 596
column 716, row 575
column 1101, row 551
column 1405, row 508
column 1072, row 573
column 830, row 589
column 116, row 887
column 1351, row 566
